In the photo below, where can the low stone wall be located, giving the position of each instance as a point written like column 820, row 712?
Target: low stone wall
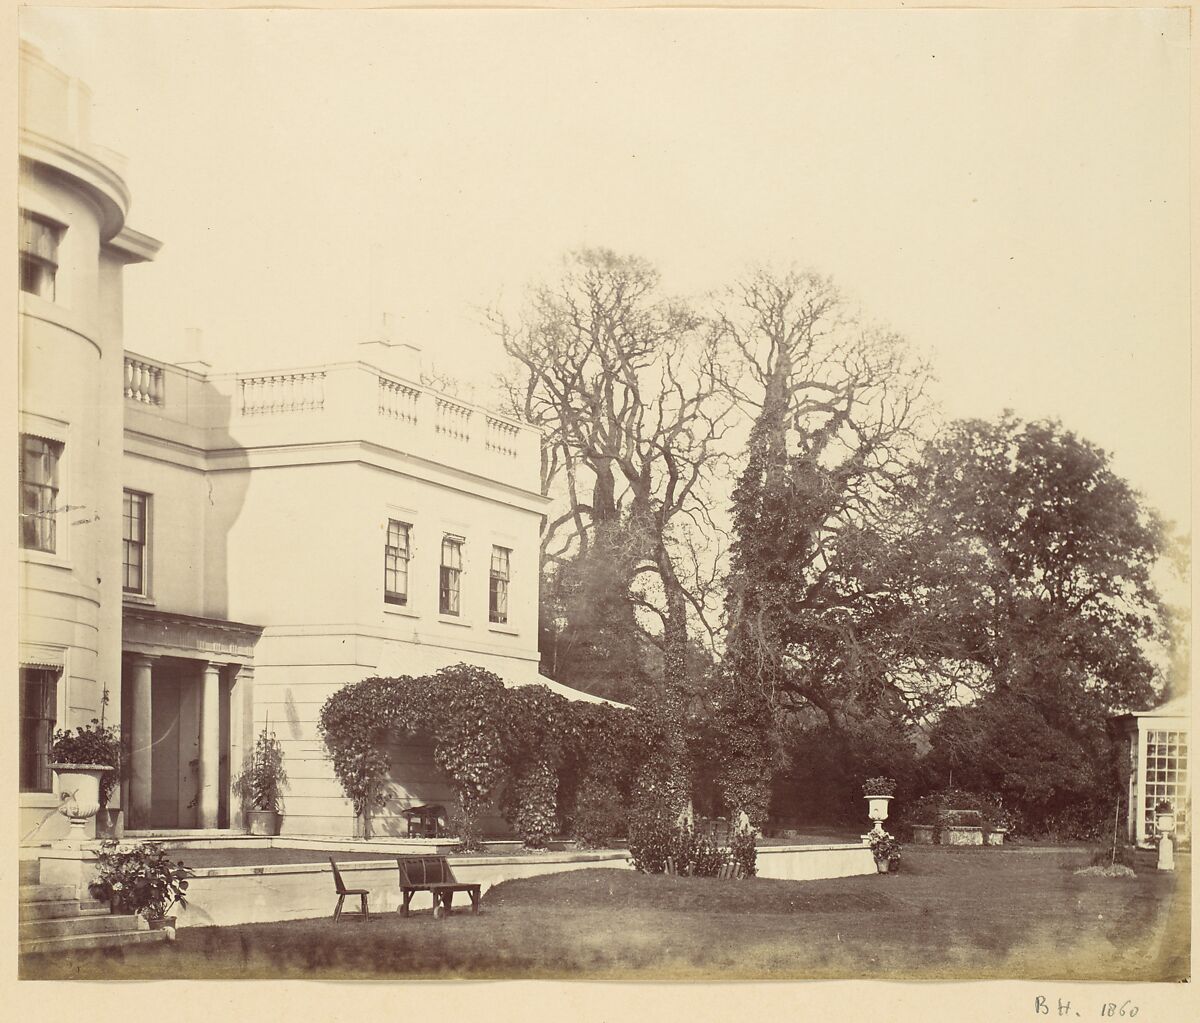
column 814, row 862
column 242, row 895
column 223, row 896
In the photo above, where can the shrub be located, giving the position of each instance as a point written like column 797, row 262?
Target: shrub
column 743, row 852
column 141, row 879
column 1078, row 824
column 91, row 744
column 651, row 838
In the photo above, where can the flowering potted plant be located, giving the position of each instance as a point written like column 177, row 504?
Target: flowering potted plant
column 143, row 880
column 878, row 793
column 88, row 763
column 262, row 783
column 886, row 851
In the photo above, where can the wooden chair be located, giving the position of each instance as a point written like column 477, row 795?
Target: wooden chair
column 343, row 891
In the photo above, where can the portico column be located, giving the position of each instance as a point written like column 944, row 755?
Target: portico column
column 210, row 744
column 241, row 738
column 141, row 742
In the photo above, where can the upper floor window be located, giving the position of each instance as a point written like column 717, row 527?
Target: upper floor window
column 39, row 492
column 451, row 575
column 498, row 586
column 135, row 542
column 396, row 552
column 39, row 713
column 39, row 239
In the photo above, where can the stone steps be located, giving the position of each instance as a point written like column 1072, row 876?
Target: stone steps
column 54, row 919
column 93, row 923
column 58, row 909
column 73, row 942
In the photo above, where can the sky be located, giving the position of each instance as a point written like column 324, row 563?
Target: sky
column 1009, row 190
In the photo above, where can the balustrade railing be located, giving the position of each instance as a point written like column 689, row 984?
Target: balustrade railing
column 282, row 392
column 143, row 381
column 398, row 401
column 452, row 420
column 501, row 437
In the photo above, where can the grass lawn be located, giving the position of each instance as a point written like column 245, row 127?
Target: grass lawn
column 950, row 913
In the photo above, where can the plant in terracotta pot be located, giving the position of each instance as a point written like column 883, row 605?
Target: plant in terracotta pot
column 88, row 764
column 141, row 879
column 886, row 851
column 262, row 784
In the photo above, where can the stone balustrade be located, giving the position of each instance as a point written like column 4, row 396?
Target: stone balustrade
column 334, row 402
column 282, row 392
column 452, row 420
column 501, row 437
column 397, row 400
column 143, row 381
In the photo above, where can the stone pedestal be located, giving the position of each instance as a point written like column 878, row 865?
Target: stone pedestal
column 1166, row 853
column 76, row 867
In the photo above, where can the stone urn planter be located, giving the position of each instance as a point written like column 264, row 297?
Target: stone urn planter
column 924, row 834
column 79, row 792
column 877, row 807
column 882, row 864
column 264, row 822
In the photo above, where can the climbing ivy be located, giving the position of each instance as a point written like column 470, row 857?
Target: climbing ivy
column 535, row 721
column 602, row 754
column 468, row 743
column 483, row 735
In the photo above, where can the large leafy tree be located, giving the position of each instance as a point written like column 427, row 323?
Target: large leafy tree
column 1038, row 569
column 1043, row 564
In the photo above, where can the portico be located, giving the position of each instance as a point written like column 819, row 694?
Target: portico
column 187, row 705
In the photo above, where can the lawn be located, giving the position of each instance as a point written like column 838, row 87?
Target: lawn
column 949, row 914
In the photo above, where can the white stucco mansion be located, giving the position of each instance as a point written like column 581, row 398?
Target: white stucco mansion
column 216, row 550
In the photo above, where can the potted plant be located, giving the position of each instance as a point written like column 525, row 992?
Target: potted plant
column 262, row 783
column 886, row 851
column 141, row 879
column 878, row 792
column 87, row 762
column 1164, row 814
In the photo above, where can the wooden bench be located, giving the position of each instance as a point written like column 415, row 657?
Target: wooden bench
column 425, row 821
column 432, row 874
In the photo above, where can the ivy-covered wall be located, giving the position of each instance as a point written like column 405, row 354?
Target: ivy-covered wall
column 526, row 751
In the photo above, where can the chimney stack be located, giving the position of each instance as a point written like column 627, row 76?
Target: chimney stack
column 194, row 356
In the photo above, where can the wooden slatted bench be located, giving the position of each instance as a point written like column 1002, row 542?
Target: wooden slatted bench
column 432, row 874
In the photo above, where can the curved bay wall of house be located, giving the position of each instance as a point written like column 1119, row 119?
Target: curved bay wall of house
column 74, row 246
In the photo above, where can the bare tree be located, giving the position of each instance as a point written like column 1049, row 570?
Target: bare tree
column 629, row 391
